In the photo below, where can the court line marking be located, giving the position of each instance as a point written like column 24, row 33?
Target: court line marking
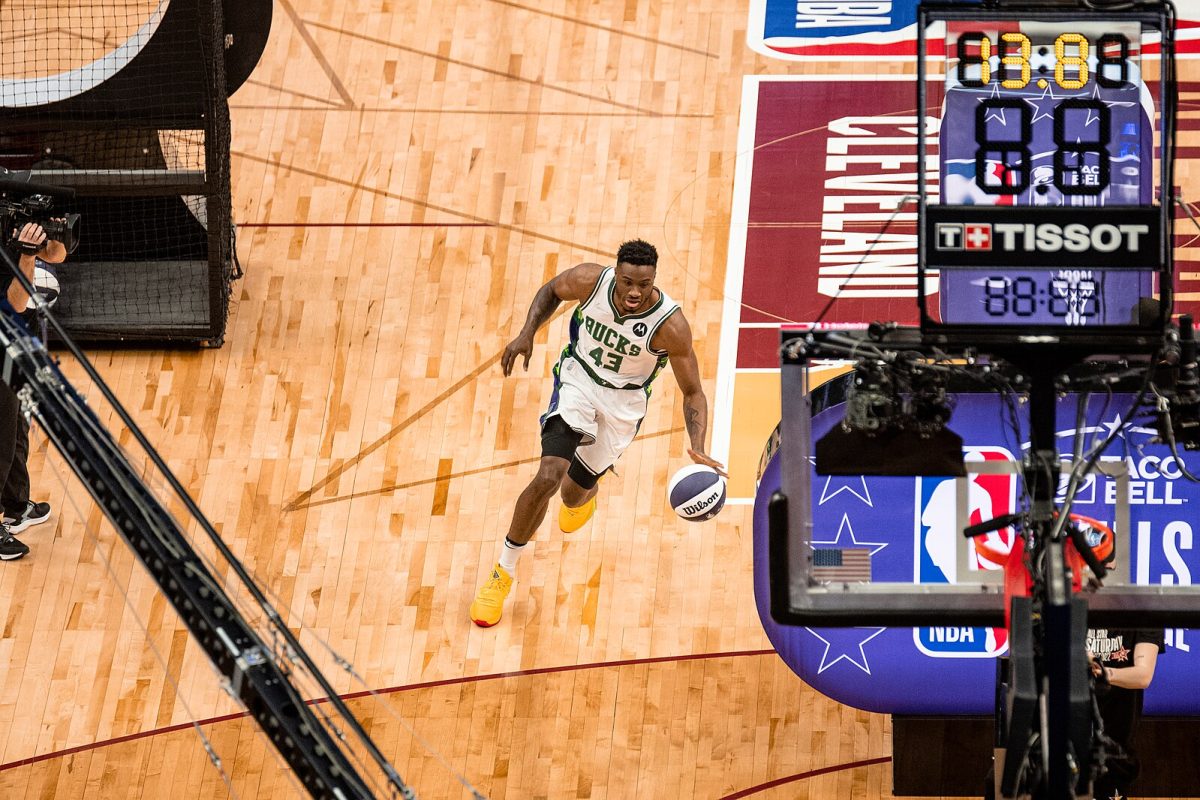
column 420, row 203
column 300, row 500
column 812, row 773
column 330, row 105
column 391, row 690
column 739, row 224
column 483, row 111
column 607, row 29
column 451, row 476
column 302, row 29
column 366, row 225
column 485, row 70
column 735, row 270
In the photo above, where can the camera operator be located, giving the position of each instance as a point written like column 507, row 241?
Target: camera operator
column 30, row 244
column 1122, row 661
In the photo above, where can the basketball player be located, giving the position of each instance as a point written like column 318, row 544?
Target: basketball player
column 623, row 332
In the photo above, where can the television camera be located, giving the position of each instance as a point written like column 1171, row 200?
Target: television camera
column 22, row 202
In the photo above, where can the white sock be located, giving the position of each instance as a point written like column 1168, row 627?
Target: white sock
column 509, row 554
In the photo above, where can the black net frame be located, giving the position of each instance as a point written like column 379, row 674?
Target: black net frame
column 126, row 103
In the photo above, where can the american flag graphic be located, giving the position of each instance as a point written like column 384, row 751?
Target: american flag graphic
column 837, row 564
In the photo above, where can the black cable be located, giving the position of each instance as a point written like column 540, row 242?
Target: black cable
column 905, row 200
column 194, row 510
column 1082, row 469
column 1169, row 428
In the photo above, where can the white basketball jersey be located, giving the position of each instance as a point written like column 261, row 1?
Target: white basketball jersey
column 614, row 349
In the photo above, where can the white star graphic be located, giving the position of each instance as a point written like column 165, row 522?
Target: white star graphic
column 846, row 487
column 864, row 666
column 1106, row 428
column 845, row 526
column 1113, row 426
column 998, row 114
column 1117, row 423
column 1037, row 108
column 1110, row 103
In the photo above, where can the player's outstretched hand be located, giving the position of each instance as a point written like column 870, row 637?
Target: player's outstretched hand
column 520, row 346
column 703, row 458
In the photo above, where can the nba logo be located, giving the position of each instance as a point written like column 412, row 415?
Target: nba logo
column 937, row 533
column 977, row 237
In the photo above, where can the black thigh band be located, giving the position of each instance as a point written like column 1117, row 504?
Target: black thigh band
column 581, row 474
column 559, row 439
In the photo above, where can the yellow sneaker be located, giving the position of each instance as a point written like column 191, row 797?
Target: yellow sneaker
column 572, row 519
column 489, row 600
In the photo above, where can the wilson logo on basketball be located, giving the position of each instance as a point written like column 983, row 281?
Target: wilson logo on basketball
column 701, row 505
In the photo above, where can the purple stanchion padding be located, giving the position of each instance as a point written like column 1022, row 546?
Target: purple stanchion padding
column 907, row 526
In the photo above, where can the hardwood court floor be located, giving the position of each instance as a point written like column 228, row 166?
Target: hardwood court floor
column 406, row 174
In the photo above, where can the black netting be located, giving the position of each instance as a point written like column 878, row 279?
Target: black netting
column 124, row 101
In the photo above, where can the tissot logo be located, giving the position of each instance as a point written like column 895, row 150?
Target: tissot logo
column 1058, row 237
column 1074, row 238
column 1015, row 237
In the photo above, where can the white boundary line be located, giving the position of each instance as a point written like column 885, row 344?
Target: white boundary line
column 735, row 265
column 735, row 262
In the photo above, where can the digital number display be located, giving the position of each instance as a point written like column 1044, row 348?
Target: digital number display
column 1045, row 113
column 1071, row 296
column 1066, row 297
column 1045, row 125
column 1079, row 167
column 1070, row 70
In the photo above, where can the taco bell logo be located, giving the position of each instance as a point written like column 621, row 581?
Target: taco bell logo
column 807, row 28
column 938, row 534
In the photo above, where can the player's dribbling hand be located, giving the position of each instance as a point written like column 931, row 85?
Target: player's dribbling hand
column 703, row 458
column 520, row 346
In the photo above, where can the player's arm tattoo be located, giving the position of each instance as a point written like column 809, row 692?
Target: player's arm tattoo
column 695, row 417
column 541, row 309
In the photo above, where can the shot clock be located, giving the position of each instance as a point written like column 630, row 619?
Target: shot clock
column 1047, row 138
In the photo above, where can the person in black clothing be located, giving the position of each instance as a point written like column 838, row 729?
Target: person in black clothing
column 19, row 511
column 1123, row 662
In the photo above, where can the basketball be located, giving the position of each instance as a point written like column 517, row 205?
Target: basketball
column 46, row 284
column 696, row 492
